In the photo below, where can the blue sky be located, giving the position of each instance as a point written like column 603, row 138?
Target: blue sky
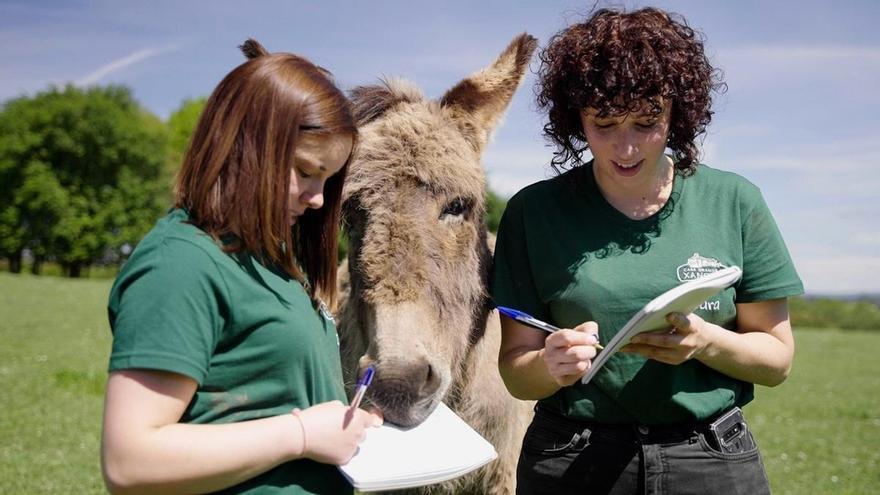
column 800, row 118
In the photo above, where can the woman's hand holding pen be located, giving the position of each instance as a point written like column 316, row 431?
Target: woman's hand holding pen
column 568, row 353
column 332, row 430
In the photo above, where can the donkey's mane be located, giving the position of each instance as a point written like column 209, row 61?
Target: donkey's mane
column 371, row 102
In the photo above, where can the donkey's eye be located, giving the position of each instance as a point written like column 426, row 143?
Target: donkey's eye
column 456, row 207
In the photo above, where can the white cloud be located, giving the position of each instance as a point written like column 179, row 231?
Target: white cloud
column 841, row 274
column 740, row 131
column 850, row 69
column 709, row 151
column 827, row 167
column 868, row 238
column 511, row 169
column 121, row 63
column 803, row 54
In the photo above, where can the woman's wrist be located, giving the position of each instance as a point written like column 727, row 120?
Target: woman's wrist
column 719, row 347
column 527, row 376
column 300, row 441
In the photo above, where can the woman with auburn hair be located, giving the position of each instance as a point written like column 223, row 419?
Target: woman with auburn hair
column 588, row 248
column 225, row 371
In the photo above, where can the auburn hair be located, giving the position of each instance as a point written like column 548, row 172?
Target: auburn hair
column 235, row 177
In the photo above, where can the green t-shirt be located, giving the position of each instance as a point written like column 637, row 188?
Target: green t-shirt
column 249, row 335
column 565, row 255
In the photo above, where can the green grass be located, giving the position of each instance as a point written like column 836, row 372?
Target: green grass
column 819, row 432
column 54, row 344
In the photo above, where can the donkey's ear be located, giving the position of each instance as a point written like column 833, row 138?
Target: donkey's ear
column 371, row 102
column 252, row 49
column 478, row 102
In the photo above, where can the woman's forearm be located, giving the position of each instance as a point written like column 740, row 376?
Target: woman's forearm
column 756, row 357
column 762, row 349
column 525, row 374
column 187, row 458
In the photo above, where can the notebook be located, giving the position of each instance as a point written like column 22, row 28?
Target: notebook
column 684, row 298
column 443, row 447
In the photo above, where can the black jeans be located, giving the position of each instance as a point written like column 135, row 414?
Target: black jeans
column 562, row 456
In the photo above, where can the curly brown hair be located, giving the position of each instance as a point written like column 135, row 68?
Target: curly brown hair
column 617, row 62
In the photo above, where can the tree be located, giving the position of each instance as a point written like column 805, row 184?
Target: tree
column 181, row 125
column 80, row 175
column 495, row 205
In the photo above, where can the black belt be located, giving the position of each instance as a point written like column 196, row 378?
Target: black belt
column 629, row 431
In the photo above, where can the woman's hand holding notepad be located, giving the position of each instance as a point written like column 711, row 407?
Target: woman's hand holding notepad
column 684, row 299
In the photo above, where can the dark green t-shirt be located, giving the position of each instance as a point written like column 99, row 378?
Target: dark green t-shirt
column 250, row 336
column 565, row 255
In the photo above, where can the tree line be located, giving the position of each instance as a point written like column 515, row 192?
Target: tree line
column 834, row 313
column 85, row 173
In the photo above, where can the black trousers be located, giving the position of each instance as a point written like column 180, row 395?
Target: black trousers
column 562, row 456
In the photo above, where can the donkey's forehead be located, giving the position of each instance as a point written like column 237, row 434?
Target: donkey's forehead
column 417, row 141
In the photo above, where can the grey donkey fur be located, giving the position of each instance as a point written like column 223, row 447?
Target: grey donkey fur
column 414, row 301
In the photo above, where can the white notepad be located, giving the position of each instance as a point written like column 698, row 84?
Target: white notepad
column 684, row 298
column 443, row 447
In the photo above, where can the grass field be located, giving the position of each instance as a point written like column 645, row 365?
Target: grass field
column 819, row 431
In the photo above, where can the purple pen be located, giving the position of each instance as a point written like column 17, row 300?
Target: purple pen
column 362, row 384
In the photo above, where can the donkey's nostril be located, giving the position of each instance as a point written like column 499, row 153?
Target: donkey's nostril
column 431, row 383
column 429, row 373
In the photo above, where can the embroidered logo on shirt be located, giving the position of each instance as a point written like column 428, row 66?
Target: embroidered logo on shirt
column 698, row 266
column 325, row 312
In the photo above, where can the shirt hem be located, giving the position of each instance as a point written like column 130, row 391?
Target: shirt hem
column 162, row 362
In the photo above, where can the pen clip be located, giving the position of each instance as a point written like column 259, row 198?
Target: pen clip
column 367, row 377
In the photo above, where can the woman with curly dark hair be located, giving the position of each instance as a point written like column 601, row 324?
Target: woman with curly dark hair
column 587, row 249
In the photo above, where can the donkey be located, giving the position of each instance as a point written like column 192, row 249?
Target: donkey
column 414, row 297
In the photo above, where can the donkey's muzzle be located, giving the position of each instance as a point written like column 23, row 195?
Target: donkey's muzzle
column 405, row 392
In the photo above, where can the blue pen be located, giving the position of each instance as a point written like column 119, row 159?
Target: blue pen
column 362, row 385
column 527, row 319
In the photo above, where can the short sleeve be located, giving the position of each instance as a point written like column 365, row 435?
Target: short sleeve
column 166, row 310
column 512, row 282
column 768, row 271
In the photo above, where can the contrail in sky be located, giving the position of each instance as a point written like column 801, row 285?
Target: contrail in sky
column 122, row 63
